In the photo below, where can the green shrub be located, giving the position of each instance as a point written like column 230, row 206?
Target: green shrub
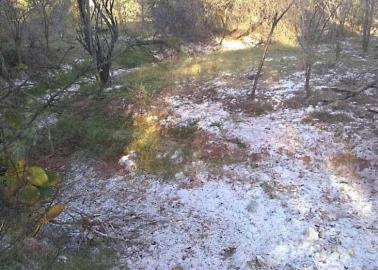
column 134, row 57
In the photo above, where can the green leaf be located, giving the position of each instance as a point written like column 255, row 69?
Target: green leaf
column 46, row 192
column 29, row 136
column 54, row 212
column 37, row 176
column 12, row 180
column 29, row 195
column 13, row 118
column 18, row 151
column 53, row 179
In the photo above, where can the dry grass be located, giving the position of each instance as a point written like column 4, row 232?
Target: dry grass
column 327, row 117
column 250, row 107
column 207, row 146
column 347, row 165
column 155, row 145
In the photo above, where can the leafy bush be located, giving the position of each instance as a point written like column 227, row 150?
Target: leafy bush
column 27, row 185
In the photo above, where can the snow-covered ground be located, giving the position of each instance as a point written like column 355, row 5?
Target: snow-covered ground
column 304, row 196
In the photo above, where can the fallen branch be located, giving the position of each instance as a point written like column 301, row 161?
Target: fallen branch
column 372, row 110
column 336, row 89
column 373, row 84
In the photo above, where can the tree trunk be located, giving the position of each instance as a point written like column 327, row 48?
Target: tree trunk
column 46, row 29
column 17, row 46
column 4, row 70
column 338, row 50
column 262, row 61
column 365, row 27
column 93, row 24
column 223, row 31
column 5, row 74
column 308, row 71
column 339, row 35
column 276, row 19
column 367, row 24
column 223, row 18
column 103, row 76
column 142, row 9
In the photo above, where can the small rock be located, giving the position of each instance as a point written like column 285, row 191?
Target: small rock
column 311, row 235
column 177, row 157
column 253, row 74
column 228, row 252
column 252, row 206
column 62, row 259
column 310, row 109
column 258, row 263
column 179, row 176
column 128, row 162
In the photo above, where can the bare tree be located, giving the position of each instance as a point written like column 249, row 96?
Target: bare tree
column 275, row 20
column 181, row 18
column 238, row 18
column 143, row 12
column 98, row 34
column 313, row 21
column 339, row 10
column 44, row 10
column 368, row 18
column 14, row 14
column 222, row 10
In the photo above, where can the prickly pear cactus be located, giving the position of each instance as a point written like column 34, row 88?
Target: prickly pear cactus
column 28, row 185
column 37, row 176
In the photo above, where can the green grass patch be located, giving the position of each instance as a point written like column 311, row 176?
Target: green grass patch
column 88, row 125
column 134, row 57
column 160, row 151
column 98, row 134
column 159, row 76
